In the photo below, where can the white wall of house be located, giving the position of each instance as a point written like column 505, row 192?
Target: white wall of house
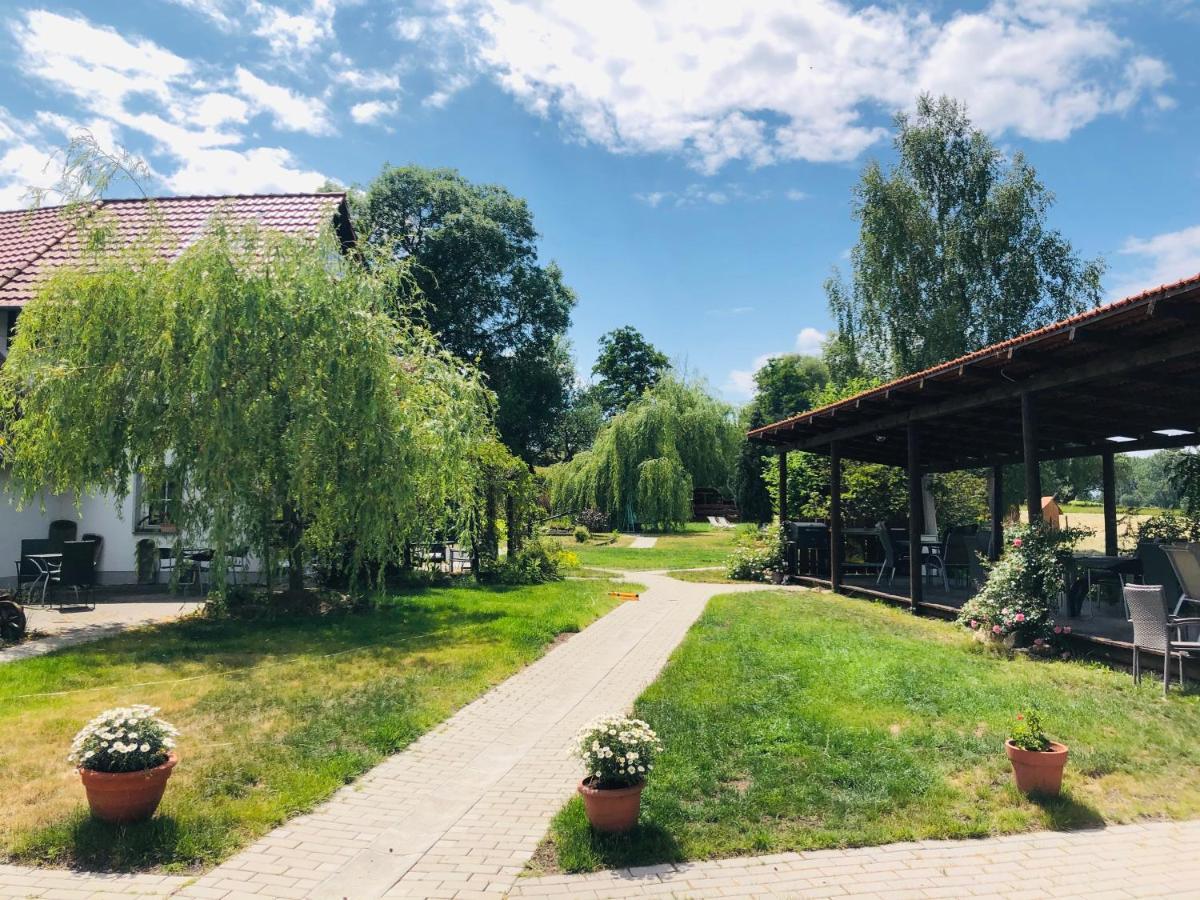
column 100, row 515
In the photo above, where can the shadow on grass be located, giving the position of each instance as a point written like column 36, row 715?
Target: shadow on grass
column 583, row 849
column 222, row 644
column 1064, row 813
column 101, row 846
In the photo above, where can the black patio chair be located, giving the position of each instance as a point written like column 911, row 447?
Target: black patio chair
column 97, row 543
column 1155, row 629
column 61, row 531
column 960, row 555
column 78, row 571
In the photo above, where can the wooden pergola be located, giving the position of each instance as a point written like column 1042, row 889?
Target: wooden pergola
column 1118, row 378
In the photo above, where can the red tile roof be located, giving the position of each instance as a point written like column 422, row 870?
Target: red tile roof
column 1065, row 325
column 33, row 242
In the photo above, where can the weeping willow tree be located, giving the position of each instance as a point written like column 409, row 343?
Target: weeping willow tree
column 263, row 374
column 645, row 461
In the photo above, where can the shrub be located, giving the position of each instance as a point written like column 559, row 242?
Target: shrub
column 592, row 519
column 617, row 751
column 1168, row 528
column 536, row 563
column 759, row 552
column 1028, row 734
column 125, row 739
column 582, row 534
column 1022, row 588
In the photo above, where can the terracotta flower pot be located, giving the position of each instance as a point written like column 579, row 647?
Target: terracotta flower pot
column 1038, row 771
column 611, row 810
column 123, row 797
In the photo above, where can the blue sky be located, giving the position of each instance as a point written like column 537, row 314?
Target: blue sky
column 689, row 164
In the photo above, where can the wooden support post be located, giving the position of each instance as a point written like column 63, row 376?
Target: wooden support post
column 997, row 513
column 916, row 513
column 1033, row 473
column 835, row 516
column 1109, row 479
column 783, row 510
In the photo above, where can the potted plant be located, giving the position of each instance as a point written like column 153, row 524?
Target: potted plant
column 618, row 753
column 125, row 757
column 1037, row 761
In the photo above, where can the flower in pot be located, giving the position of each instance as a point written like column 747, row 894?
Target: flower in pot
column 618, row 753
column 1037, row 761
column 125, row 756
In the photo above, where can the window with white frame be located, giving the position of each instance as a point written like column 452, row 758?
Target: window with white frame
column 157, row 503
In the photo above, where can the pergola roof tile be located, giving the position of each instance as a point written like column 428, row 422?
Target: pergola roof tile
column 1089, row 367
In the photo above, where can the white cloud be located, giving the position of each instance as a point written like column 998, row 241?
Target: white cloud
column 299, row 32
column 371, row 111
column 366, row 79
column 218, row 108
column 780, row 80
column 127, row 85
column 236, row 171
column 697, row 194
column 809, row 341
column 96, row 63
column 287, row 29
column 740, row 382
column 1161, row 259
column 290, row 111
column 796, row 195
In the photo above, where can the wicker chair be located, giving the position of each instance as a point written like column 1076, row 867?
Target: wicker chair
column 1154, row 629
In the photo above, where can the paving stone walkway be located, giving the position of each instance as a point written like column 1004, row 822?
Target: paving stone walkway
column 1153, row 860
column 642, row 543
column 460, row 812
column 77, row 625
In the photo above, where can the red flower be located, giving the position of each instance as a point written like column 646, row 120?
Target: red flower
column 1017, row 542
column 1058, row 629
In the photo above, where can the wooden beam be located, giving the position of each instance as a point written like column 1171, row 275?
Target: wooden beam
column 997, row 505
column 835, row 516
column 783, row 487
column 1108, row 365
column 1109, row 484
column 1033, row 475
column 916, row 513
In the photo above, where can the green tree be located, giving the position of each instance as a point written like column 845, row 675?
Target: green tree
column 784, row 386
column 486, row 294
column 627, row 366
column 579, row 423
column 646, row 460
column 258, row 371
column 954, row 251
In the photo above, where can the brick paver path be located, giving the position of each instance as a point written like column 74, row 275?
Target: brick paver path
column 642, row 543
column 1153, row 860
column 461, row 811
column 69, row 626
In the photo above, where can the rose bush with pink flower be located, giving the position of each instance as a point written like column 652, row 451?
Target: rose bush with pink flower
column 1022, row 589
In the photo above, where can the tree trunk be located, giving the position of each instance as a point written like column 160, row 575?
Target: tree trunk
column 514, row 526
column 491, row 545
column 292, row 532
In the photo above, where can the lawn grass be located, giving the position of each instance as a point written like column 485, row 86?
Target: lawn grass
column 698, row 545
column 282, row 713
column 797, row 720
column 705, row 576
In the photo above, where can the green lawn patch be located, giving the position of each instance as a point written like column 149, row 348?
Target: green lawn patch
column 699, row 545
column 797, row 720
column 300, row 707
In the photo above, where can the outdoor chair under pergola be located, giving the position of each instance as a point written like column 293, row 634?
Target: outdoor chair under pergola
column 1117, row 378
column 1155, row 629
